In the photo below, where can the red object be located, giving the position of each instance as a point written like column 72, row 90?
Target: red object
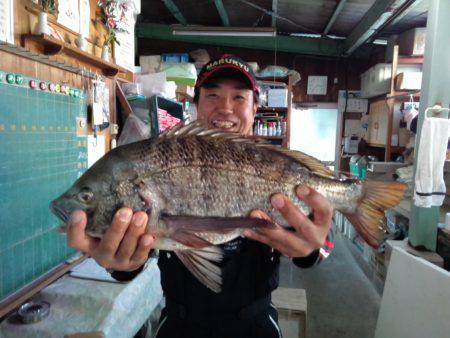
column 329, row 245
column 33, row 84
column 165, row 120
column 43, row 86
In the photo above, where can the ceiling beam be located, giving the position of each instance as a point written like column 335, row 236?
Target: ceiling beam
column 175, row 11
column 290, row 44
column 222, row 12
column 337, row 11
column 275, row 11
column 406, row 11
column 375, row 19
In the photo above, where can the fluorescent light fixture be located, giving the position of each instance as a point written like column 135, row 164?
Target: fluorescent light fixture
column 380, row 42
column 223, row 31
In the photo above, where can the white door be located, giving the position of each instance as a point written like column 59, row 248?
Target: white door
column 313, row 131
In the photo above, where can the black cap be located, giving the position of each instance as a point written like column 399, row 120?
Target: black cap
column 227, row 64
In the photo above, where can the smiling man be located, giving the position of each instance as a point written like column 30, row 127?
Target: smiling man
column 226, row 96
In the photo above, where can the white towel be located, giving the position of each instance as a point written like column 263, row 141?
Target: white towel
column 429, row 181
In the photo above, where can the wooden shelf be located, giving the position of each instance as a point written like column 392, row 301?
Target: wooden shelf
column 394, row 149
column 410, row 60
column 269, row 117
column 52, row 46
column 284, row 79
column 272, row 109
column 268, row 137
column 401, row 95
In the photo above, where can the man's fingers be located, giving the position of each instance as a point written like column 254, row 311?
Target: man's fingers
column 260, row 214
column 289, row 211
column 258, row 237
column 130, row 240
column 113, row 236
column 76, row 237
column 322, row 209
column 143, row 249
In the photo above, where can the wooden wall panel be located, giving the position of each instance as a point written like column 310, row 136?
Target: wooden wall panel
column 344, row 70
column 25, row 19
column 16, row 64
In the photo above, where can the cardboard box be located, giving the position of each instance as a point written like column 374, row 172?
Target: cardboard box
column 412, row 42
column 408, row 81
column 185, row 90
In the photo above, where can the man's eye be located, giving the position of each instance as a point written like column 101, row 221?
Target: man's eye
column 239, row 97
column 212, row 95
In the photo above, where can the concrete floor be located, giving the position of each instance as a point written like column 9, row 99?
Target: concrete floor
column 342, row 302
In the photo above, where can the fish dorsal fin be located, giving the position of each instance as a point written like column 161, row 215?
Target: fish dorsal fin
column 196, row 128
column 310, row 162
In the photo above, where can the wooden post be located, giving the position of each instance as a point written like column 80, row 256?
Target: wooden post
column 391, row 104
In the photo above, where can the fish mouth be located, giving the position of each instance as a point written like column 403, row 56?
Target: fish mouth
column 60, row 213
column 223, row 124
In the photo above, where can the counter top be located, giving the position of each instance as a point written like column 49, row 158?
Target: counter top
column 83, row 305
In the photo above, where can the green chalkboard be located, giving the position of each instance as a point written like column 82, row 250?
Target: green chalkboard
column 40, row 157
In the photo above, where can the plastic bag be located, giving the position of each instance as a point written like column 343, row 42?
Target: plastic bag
column 134, row 130
column 149, row 63
column 152, row 84
column 278, row 71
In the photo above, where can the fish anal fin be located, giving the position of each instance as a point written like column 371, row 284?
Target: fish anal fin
column 189, row 239
column 208, row 273
column 378, row 196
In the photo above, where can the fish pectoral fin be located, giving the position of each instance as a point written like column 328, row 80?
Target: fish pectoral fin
column 213, row 224
column 189, row 239
column 201, row 264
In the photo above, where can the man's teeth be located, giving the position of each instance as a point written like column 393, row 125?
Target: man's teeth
column 223, row 124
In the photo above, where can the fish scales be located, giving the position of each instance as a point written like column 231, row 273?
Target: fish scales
column 208, row 176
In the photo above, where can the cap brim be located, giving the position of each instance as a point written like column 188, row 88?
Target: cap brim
column 228, row 72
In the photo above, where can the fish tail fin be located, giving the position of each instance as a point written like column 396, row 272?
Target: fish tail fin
column 378, row 196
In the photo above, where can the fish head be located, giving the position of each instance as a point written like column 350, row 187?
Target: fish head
column 96, row 193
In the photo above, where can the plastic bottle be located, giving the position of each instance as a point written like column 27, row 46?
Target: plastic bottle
column 264, row 133
column 284, row 127
column 278, row 128
column 255, row 128
column 270, row 130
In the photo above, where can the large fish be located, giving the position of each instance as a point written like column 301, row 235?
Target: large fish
column 199, row 186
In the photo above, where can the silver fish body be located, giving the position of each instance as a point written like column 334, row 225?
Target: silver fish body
column 192, row 179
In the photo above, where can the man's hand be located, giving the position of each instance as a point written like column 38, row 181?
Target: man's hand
column 123, row 247
column 309, row 234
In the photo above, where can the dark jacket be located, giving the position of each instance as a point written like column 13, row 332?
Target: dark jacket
column 250, row 272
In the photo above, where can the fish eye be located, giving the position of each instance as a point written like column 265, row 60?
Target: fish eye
column 85, row 195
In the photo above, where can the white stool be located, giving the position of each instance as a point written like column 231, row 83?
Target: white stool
column 293, row 302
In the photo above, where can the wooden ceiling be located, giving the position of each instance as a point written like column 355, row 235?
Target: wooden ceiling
column 293, row 16
column 315, row 27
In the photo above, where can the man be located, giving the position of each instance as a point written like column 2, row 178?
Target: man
column 226, row 96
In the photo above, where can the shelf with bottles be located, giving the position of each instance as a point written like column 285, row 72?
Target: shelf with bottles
column 273, row 109
column 269, row 137
column 277, row 129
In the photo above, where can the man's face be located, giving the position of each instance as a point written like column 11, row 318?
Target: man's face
column 227, row 104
